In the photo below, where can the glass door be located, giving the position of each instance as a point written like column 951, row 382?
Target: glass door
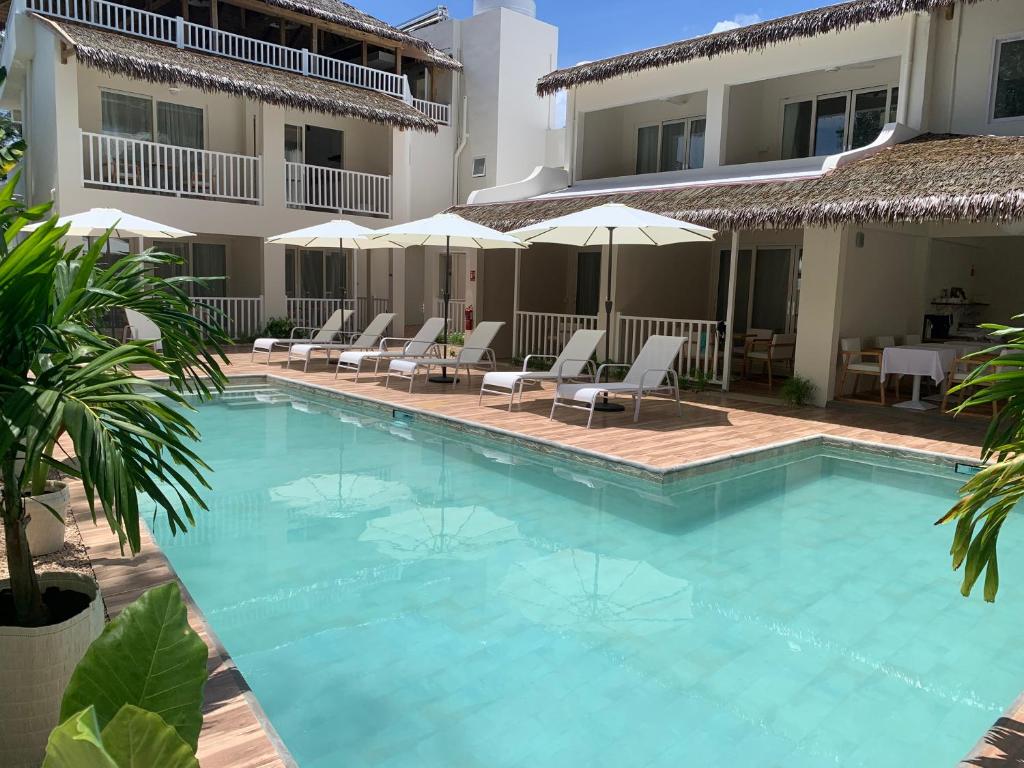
column 743, row 275
column 830, row 124
column 769, row 307
column 588, row 282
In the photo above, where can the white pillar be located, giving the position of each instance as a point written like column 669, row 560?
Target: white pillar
column 275, row 303
column 717, row 126
column 271, row 149
column 398, row 290
column 730, row 313
column 821, row 294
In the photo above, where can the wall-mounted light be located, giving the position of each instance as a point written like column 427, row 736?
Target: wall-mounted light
column 174, row 89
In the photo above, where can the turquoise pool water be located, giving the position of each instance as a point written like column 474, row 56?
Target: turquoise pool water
column 396, row 596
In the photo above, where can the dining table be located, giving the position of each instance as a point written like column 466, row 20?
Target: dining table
column 918, row 360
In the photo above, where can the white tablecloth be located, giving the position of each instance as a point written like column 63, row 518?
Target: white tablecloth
column 931, row 360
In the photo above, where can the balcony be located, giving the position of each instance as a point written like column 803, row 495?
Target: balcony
column 132, row 165
column 331, row 189
column 184, row 34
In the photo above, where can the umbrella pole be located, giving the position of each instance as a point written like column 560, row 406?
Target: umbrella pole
column 444, row 378
column 604, row 405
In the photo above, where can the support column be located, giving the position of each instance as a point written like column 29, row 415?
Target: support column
column 270, row 141
column 717, row 126
column 821, row 295
column 275, row 303
column 401, row 206
column 730, row 313
column 515, row 303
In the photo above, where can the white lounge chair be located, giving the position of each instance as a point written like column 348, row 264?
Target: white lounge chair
column 476, row 353
column 573, row 363
column 368, row 339
column 423, row 344
column 329, row 331
column 646, row 376
column 141, row 328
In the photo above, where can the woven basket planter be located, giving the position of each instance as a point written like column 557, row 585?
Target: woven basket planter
column 44, row 530
column 35, row 666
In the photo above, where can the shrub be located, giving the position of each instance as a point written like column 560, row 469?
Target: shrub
column 279, row 328
column 797, row 390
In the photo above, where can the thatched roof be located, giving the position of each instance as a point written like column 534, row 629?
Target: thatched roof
column 158, row 63
column 819, row 21
column 350, row 16
column 932, row 178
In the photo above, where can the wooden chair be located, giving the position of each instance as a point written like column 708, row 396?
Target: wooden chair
column 860, row 362
column 958, row 374
column 780, row 348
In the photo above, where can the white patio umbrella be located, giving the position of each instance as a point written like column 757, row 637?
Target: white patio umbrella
column 447, row 230
column 96, row 221
column 461, row 533
column 613, row 224
column 340, row 494
column 337, row 233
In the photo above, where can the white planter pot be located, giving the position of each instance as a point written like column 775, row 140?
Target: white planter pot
column 35, row 667
column 45, row 532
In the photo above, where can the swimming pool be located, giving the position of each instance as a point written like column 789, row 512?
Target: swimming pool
column 399, row 595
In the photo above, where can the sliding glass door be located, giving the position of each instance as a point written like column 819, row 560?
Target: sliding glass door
column 767, row 288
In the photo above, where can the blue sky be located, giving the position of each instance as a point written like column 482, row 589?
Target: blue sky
column 593, row 29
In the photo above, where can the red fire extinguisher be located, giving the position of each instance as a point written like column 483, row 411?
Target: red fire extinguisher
column 469, row 318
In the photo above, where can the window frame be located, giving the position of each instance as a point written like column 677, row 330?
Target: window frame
column 997, row 46
column 851, row 100
column 293, row 258
column 472, row 168
column 660, row 125
column 154, row 115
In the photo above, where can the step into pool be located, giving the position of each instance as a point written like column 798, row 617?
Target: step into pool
column 399, row 595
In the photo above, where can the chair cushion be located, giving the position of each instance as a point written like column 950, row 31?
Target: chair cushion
column 588, row 393
column 508, row 379
column 264, row 344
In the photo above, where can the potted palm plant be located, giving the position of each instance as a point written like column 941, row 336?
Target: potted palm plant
column 63, row 382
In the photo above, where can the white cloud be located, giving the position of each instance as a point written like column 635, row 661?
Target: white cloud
column 739, row 20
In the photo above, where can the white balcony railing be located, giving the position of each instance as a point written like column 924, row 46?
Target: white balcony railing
column 185, row 34
column 332, row 189
column 240, row 317
column 440, row 113
column 145, row 166
column 701, row 357
column 546, row 333
column 313, row 313
column 456, row 313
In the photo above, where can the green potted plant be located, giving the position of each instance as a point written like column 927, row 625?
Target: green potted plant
column 61, row 378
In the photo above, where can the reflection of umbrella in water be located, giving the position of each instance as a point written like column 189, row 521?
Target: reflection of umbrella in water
column 466, row 533
column 340, row 495
column 586, row 592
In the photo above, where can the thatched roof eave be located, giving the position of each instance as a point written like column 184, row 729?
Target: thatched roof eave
column 158, row 63
column 754, row 37
column 932, row 178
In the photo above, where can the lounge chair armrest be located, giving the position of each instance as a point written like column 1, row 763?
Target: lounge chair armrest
column 528, row 358
column 299, row 328
column 670, row 372
column 387, row 341
column 588, row 365
column 600, row 369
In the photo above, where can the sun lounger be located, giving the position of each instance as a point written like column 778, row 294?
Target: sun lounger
column 328, row 332
column 477, row 353
column 368, row 339
column 141, row 328
column 645, row 376
column 423, row 344
column 573, row 363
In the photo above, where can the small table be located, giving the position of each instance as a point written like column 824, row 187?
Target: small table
column 917, row 360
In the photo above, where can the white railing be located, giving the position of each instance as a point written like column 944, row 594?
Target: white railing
column 185, row 34
column 315, row 186
column 440, row 113
column 240, row 317
column 368, row 308
column 546, row 333
column 145, row 166
column 456, row 313
column 313, row 313
column 701, row 357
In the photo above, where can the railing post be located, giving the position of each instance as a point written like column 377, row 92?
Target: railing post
column 179, row 31
column 305, row 61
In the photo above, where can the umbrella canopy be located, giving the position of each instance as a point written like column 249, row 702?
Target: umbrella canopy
column 586, row 592
column 463, row 533
column 96, row 221
column 340, row 494
column 337, row 233
column 631, row 226
column 446, row 230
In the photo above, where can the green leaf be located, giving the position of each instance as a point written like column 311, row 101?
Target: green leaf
column 136, row 738
column 76, row 743
column 148, row 657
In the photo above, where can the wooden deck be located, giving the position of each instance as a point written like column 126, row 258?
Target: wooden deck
column 712, row 426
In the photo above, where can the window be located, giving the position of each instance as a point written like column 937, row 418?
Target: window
column 210, row 260
column 479, row 167
column 315, row 274
column 671, row 146
column 1009, row 86
column 179, row 125
column 836, row 122
column 122, row 114
column 588, row 282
